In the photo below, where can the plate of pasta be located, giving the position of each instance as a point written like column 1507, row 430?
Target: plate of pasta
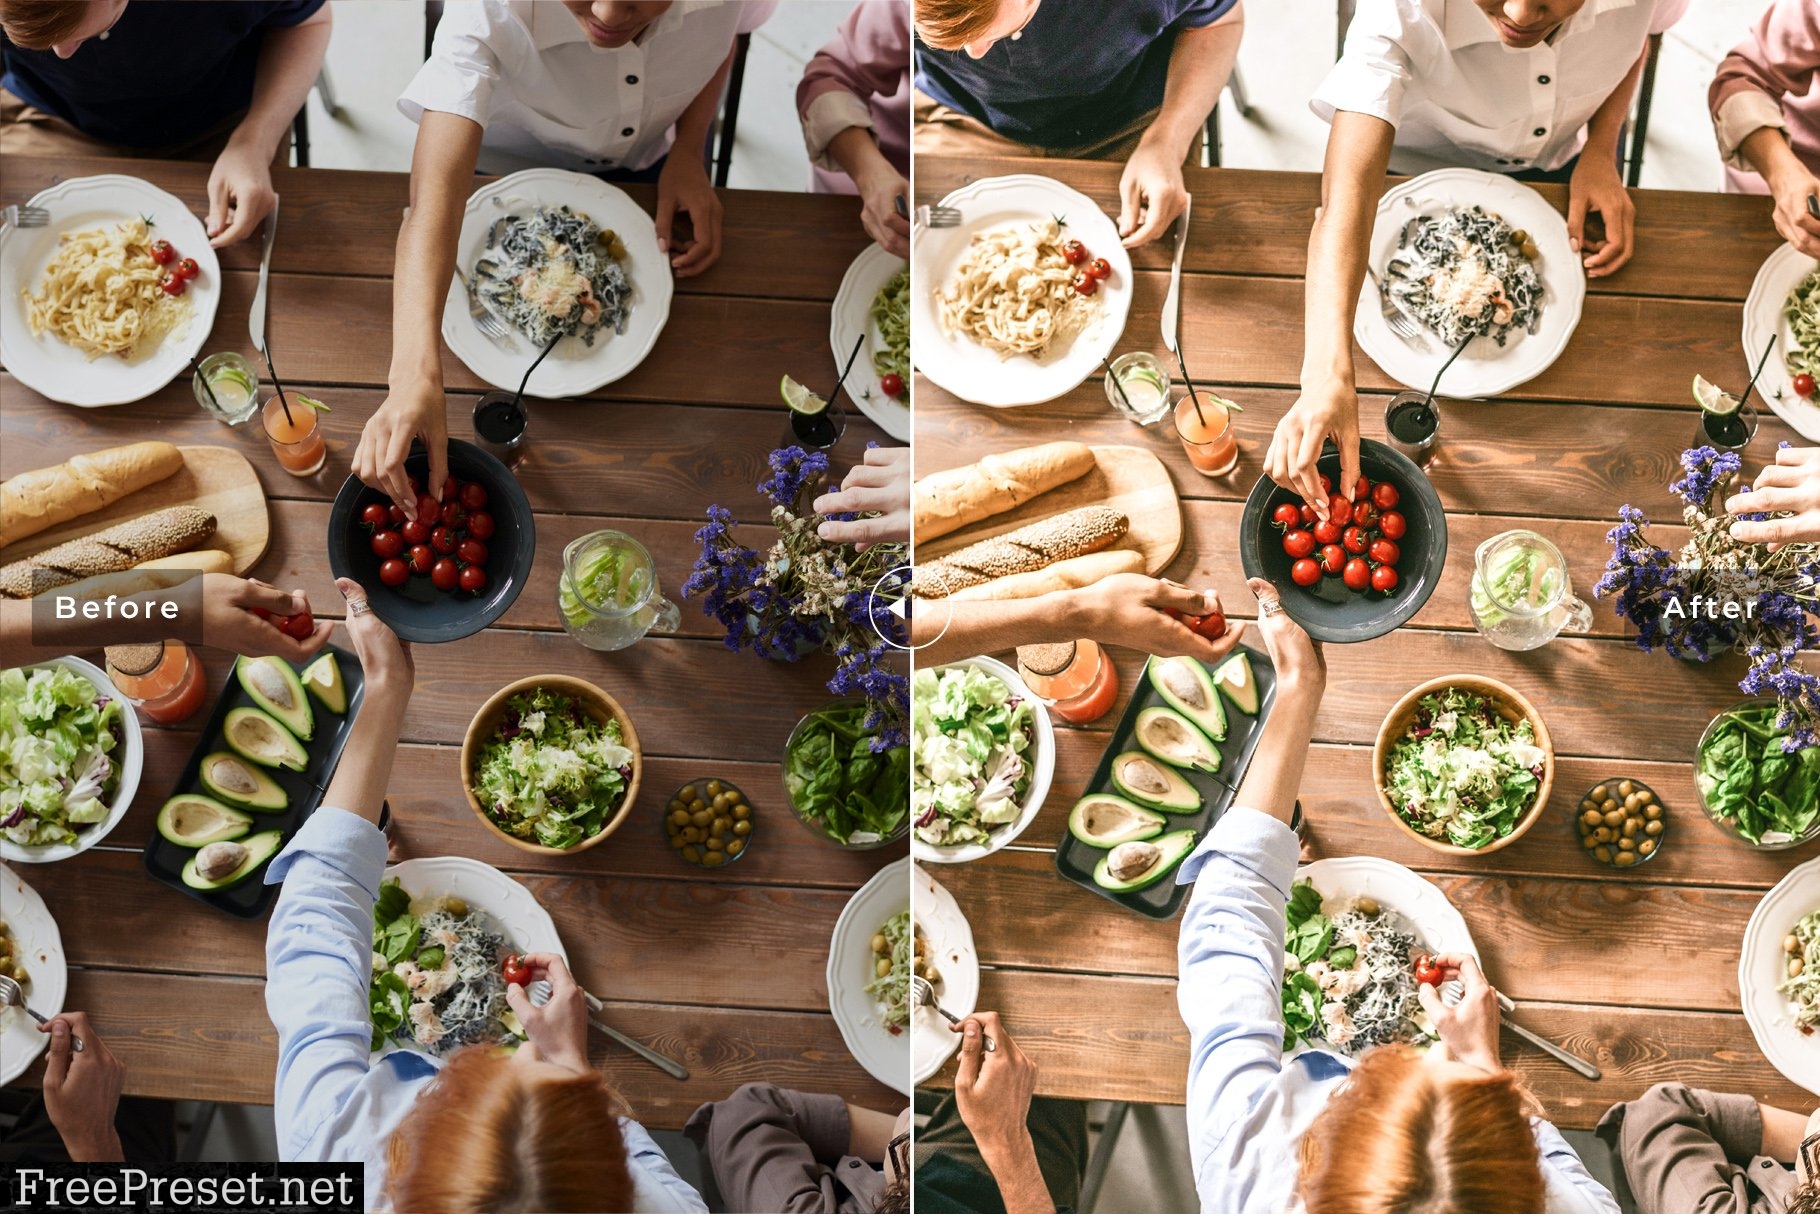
column 86, row 319
column 563, row 256
column 1784, row 302
column 1001, row 310
column 874, row 300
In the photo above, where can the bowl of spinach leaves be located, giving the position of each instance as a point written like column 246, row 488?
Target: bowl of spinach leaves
column 1767, row 797
column 842, row 788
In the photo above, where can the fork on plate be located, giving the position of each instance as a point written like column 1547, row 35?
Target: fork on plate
column 922, row 994
column 21, row 216
column 484, row 320
column 928, row 216
column 1400, row 322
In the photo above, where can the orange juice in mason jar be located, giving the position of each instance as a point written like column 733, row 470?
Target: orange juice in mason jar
column 1207, row 434
column 295, row 434
column 1075, row 678
column 165, row 681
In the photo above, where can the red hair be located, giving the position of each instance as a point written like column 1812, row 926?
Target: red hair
column 40, row 24
column 489, row 1137
column 1404, row 1138
column 951, row 24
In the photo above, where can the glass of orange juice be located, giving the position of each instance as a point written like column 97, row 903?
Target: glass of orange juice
column 297, row 437
column 1207, row 434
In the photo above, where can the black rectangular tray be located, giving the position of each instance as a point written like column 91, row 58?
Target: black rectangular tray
column 252, row 897
column 1076, row 860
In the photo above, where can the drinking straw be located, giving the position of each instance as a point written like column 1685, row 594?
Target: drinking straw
column 525, row 382
column 206, row 386
column 1186, row 382
column 1120, row 386
column 857, row 343
column 1758, row 371
column 284, row 401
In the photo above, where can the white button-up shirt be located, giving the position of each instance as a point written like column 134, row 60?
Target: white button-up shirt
column 526, row 72
column 1436, row 71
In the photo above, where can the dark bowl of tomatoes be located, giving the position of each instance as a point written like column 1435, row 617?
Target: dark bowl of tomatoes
column 446, row 578
column 1366, row 570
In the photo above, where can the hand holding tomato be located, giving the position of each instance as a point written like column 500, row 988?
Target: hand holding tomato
column 1329, row 409
column 257, row 620
column 1154, row 616
column 1469, row 1029
column 558, row 1030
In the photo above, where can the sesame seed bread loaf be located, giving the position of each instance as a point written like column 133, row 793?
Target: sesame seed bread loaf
column 46, row 497
column 113, row 550
column 1034, row 546
column 946, row 501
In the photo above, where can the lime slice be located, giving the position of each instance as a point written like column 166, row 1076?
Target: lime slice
column 1711, row 398
column 310, row 402
column 800, row 398
column 1143, row 375
column 232, row 375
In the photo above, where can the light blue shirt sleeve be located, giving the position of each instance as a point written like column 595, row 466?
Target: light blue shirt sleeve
column 318, row 962
column 1571, row 1188
column 1230, row 967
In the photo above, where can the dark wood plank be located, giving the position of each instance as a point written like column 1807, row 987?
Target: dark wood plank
column 1249, row 222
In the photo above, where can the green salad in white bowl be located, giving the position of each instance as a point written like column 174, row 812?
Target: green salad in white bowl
column 982, row 752
column 70, row 756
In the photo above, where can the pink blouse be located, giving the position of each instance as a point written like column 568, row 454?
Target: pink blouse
column 1771, row 79
column 861, row 78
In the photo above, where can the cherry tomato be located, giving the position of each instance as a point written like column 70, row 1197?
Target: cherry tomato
column 1327, row 532
column 395, row 516
column 1364, row 513
column 1354, row 541
column 1385, row 552
column 480, row 525
column 1384, row 495
column 387, row 544
column 446, row 574
column 1804, row 385
column 1100, row 268
column 163, row 252
column 1357, row 574
column 472, row 579
column 1212, row 625
column 428, row 508
column 1333, row 558
column 422, row 559
column 454, row 514
column 473, row 495
column 451, row 488
column 1392, row 525
column 394, row 572
column 374, row 515
column 892, row 385
column 1074, row 252
column 299, row 626
column 1305, row 572
column 261, row 612
column 1307, row 515
column 515, row 971
column 1362, row 490
column 472, row 551
column 1428, row 970
column 1298, row 543
column 1085, row 283
column 1286, row 515
column 1326, row 484
column 188, row 268
column 443, row 540
column 173, row 283
column 1339, row 509
column 416, row 531
column 1384, row 579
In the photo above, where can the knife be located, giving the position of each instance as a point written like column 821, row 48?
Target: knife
column 255, row 320
column 1573, row 1061
column 674, row 1069
column 1172, row 304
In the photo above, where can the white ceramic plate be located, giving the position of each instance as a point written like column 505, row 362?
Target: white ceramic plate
column 850, row 317
column 485, row 888
column 886, row 1057
column 60, row 371
column 1041, row 753
column 40, row 947
column 1760, row 968
column 573, row 368
column 968, row 369
column 130, row 754
column 1486, row 369
column 950, row 942
column 1763, row 318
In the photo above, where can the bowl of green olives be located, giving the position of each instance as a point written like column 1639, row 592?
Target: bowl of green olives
column 708, row 822
column 1621, row 822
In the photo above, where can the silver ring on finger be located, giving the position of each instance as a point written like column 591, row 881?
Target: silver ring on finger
column 1270, row 607
column 358, row 607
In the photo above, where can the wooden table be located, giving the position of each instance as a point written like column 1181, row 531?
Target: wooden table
column 722, row 969
column 1636, row 969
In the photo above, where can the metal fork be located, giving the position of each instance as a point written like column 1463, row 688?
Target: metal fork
column 922, row 994
column 1453, row 990
column 484, row 320
column 18, row 216
column 12, row 995
column 938, row 217
column 1399, row 321
column 539, row 993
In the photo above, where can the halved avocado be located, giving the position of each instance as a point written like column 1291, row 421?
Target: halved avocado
column 254, row 850
column 276, row 688
column 237, row 782
column 1173, row 738
column 190, row 819
column 1104, row 819
column 258, row 737
column 323, row 680
column 1132, row 866
column 1186, row 687
column 1236, row 683
column 1149, row 782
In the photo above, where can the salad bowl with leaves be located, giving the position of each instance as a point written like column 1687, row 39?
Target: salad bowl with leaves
column 1758, row 792
column 982, row 754
column 70, row 757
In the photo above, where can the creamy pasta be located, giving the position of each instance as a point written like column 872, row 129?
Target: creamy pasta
column 100, row 293
column 1013, row 291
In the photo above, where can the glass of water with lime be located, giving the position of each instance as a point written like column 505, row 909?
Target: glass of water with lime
column 608, row 595
column 227, row 388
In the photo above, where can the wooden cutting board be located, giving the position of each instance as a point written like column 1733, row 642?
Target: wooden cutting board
column 217, row 479
column 1128, row 479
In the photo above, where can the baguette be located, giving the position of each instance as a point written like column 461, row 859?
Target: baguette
column 944, row 502
column 201, row 560
column 1031, row 547
column 46, row 497
column 1063, row 575
column 113, row 550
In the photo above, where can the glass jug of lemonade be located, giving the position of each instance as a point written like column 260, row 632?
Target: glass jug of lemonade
column 1521, row 595
column 608, row 595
